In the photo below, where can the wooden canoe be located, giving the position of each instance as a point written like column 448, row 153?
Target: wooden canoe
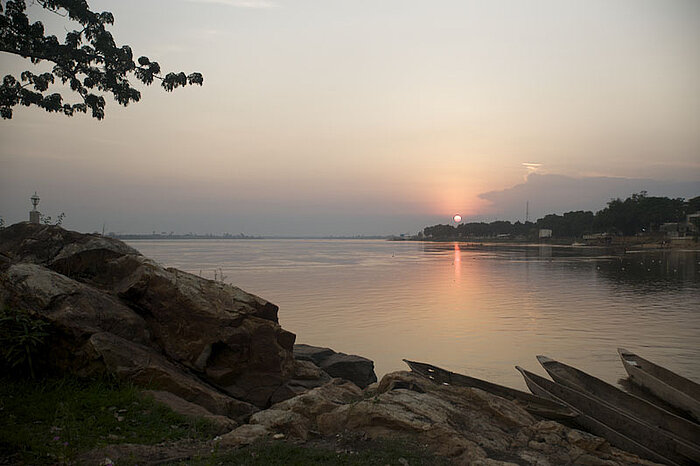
column 681, row 432
column 605, row 421
column 535, row 405
column 675, row 390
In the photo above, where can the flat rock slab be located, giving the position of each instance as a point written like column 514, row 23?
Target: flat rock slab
column 315, row 354
column 357, row 369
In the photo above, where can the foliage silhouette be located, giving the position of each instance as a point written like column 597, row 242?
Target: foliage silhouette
column 89, row 61
column 637, row 214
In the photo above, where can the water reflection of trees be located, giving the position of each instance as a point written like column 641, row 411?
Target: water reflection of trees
column 517, row 252
column 656, row 270
column 646, row 271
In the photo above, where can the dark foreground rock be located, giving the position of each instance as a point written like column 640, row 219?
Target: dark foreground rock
column 350, row 367
column 223, row 424
column 113, row 310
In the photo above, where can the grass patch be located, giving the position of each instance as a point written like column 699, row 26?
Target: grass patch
column 49, row 421
column 280, row 453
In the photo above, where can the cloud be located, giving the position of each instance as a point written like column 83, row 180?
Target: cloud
column 251, row 4
column 531, row 167
column 551, row 193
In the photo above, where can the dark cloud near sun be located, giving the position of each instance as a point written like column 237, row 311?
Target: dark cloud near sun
column 549, row 193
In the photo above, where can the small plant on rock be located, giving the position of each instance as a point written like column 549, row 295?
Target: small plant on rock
column 47, row 220
column 22, row 336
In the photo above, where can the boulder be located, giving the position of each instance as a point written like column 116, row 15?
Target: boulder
column 191, row 410
column 243, row 435
column 74, row 309
column 323, row 399
column 138, row 364
column 350, row 367
column 284, row 422
column 296, row 417
column 354, row 368
column 41, row 244
column 306, row 376
column 88, row 284
column 314, row 354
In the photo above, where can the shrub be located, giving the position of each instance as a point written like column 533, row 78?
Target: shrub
column 22, row 336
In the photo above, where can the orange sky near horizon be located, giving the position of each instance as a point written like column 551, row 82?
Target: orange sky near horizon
column 366, row 117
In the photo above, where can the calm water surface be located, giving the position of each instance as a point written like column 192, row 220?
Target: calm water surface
column 476, row 310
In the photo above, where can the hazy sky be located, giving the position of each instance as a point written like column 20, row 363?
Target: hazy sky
column 370, row 117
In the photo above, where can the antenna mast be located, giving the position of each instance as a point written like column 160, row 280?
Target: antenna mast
column 527, row 211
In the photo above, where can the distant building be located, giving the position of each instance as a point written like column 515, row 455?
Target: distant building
column 690, row 227
column 693, row 221
column 545, row 233
column 673, row 229
column 34, row 215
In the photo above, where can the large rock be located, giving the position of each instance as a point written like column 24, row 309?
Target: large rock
column 72, row 307
column 41, row 244
column 306, row 376
column 468, row 424
column 88, row 284
column 351, row 367
column 223, row 424
column 296, row 417
column 243, row 435
column 323, row 399
column 138, row 364
column 314, row 354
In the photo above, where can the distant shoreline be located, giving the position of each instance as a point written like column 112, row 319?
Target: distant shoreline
column 621, row 244
column 130, row 237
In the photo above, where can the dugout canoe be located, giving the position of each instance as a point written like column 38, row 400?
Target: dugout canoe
column 619, row 428
column 535, row 405
column 672, row 388
column 685, row 432
column 606, row 422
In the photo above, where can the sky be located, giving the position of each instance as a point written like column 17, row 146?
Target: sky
column 369, row 117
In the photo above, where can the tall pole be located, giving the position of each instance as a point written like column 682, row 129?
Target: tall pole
column 527, row 211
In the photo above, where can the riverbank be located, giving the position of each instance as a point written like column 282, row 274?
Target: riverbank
column 616, row 245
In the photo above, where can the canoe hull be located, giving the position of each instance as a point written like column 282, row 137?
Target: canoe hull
column 681, row 435
column 584, row 404
column 662, row 383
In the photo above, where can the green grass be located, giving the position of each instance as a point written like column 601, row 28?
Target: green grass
column 52, row 421
column 279, row 453
column 49, row 421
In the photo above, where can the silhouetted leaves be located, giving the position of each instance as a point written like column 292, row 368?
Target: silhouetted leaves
column 88, row 61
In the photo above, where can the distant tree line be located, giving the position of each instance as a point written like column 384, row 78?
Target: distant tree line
column 638, row 213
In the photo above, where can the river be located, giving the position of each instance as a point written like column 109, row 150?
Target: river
column 478, row 310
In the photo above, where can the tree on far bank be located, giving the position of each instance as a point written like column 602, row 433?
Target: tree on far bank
column 88, row 61
column 639, row 213
column 692, row 205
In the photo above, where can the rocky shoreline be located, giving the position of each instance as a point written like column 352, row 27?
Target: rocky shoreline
column 211, row 350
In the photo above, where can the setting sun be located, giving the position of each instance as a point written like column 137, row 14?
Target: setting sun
column 457, row 218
